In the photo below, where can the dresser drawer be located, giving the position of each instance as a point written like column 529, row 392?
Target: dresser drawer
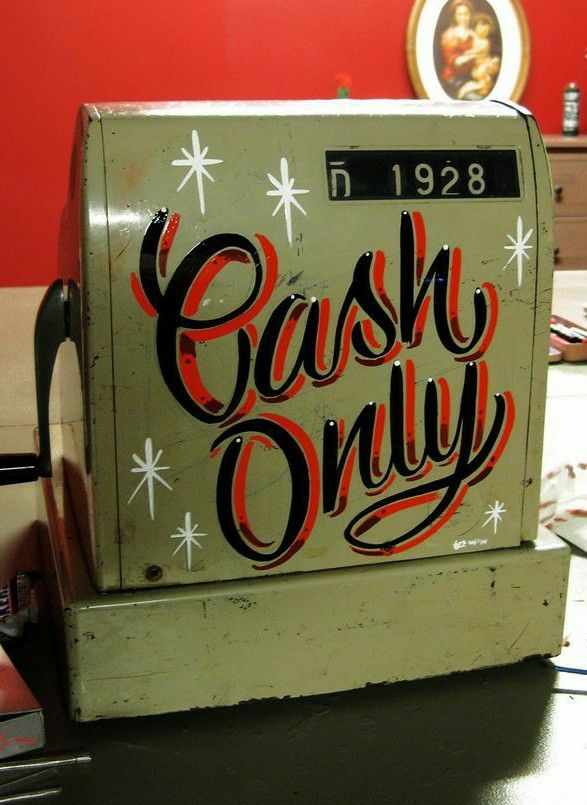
column 569, row 177
column 570, row 242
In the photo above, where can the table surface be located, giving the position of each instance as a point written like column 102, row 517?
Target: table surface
column 515, row 735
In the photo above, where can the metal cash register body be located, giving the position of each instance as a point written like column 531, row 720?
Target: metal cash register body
column 313, row 356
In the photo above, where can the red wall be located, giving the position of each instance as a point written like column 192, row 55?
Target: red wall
column 56, row 55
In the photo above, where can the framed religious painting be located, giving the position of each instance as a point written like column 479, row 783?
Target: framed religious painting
column 468, row 49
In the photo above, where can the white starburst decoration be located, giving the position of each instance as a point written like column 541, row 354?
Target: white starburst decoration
column 495, row 514
column 285, row 191
column 196, row 162
column 188, row 536
column 149, row 467
column 519, row 247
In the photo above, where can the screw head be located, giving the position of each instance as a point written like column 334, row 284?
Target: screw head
column 153, row 573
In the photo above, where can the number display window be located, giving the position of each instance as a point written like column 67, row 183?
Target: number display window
column 377, row 175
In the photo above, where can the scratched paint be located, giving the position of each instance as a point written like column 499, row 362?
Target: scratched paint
column 351, row 452
column 312, row 326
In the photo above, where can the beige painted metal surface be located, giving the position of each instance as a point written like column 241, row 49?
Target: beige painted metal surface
column 146, row 652
column 291, row 363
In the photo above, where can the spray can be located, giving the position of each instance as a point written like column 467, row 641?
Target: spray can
column 571, row 98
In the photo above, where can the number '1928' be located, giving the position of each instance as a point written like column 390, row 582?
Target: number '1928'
column 448, row 177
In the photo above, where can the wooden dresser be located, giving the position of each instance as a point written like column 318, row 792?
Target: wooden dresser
column 568, row 158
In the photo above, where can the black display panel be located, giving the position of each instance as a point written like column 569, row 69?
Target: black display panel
column 436, row 174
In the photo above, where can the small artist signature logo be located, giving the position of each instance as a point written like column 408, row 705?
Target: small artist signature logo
column 459, row 544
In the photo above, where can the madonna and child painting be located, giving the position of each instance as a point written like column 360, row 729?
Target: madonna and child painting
column 467, row 49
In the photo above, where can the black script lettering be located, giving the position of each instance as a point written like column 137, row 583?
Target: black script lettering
column 339, row 455
column 292, row 348
column 185, row 289
column 443, row 277
column 473, row 460
column 271, row 431
column 365, row 292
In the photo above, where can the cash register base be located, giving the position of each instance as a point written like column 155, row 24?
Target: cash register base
column 169, row 649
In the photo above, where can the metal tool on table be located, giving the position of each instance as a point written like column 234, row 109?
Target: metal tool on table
column 42, row 770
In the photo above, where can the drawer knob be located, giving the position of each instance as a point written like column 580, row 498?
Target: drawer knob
column 558, row 191
column 556, row 253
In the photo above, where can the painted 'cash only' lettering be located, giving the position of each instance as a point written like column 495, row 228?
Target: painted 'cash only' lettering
column 304, row 341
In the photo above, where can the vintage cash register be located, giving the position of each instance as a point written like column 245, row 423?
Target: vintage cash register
column 301, row 452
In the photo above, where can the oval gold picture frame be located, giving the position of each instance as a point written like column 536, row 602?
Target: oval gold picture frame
column 484, row 56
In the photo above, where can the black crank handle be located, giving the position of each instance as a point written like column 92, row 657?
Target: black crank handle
column 52, row 328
